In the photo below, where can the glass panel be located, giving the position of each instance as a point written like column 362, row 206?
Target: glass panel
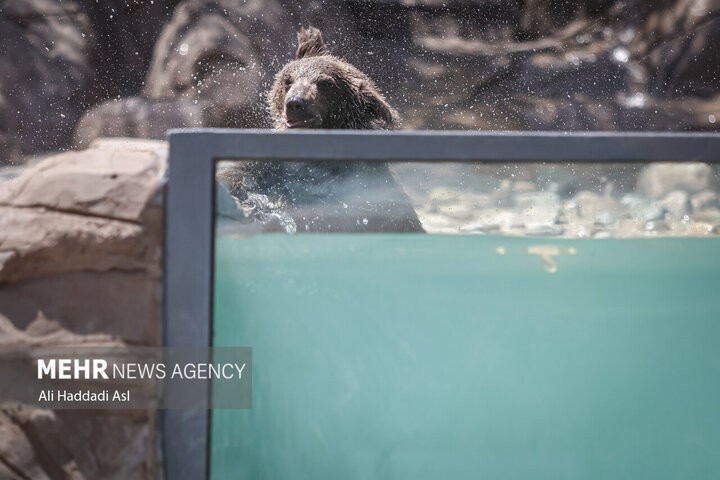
column 555, row 200
column 488, row 353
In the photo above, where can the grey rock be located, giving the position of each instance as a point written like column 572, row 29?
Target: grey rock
column 704, row 200
column 677, row 203
column 641, row 208
column 685, row 61
column 56, row 444
column 659, row 179
column 9, row 149
column 594, row 207
column 709, row 215
column 657, row 226
column 537, row 207
column 605, row 218
column 46, row 62
column 544, row 229
column 137, row 117
column 471, row 65
column 649, row 212
column 633, row 201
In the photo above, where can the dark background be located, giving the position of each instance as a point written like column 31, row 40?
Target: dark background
column 74, row 70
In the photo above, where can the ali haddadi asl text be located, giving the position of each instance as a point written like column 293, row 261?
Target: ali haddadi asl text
column 84, row 396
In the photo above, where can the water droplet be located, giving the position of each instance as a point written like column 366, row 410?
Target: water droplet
column 582, row 39
column 621, row 55
column 183, row 50
column 636, row 100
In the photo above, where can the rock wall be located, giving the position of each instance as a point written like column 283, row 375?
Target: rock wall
column 470, row 64
column 80, row 264
column 80, row 69
column 61, row 57
column 44, row 56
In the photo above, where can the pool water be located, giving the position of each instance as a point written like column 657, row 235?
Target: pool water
column 465, row 357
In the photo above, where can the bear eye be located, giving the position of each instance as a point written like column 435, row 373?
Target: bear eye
column 326, row 81
column 288, row 81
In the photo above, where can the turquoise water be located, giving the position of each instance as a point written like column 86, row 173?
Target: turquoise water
column 425, row 357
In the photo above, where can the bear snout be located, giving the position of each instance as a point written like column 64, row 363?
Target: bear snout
column 299, row 112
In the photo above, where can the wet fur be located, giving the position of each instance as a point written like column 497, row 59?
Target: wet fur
column 354, row 100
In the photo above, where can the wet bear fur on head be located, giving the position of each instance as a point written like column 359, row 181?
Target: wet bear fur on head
column 318, row 90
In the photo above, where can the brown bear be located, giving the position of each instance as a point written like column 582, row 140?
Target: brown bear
column 318, row 90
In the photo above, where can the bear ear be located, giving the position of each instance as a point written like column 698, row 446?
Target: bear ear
column 310, row 43
column 380, row 114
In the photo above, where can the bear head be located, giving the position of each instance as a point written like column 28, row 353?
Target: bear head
column 319, row 90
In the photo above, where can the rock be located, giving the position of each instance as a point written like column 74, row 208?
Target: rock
column 9, row 172
column 160, row 148
column 540, row 64
column 137, row 117
column 110, row 183
column 651, row 211
column 591, row 207
column 54, row 444
column 60, row 57
column 211, row 66
column 544, row 230
column 46, row 64
column 537, row 208
column 641, row 208
column 124, row 33
column 657, row 226
column 9, row 148
column 629, row 228
column 709, row 215
column 633, row 201
column 658, row 179
column 38, row 330
column 80, row 252
column 677, row 203
column 605, row 218
column 682, row 48
column 36, row 242
column 19, row 459
column 704, row 200
column 469, row 65
column 697, row 229
column 485, row 221
column 523, row 186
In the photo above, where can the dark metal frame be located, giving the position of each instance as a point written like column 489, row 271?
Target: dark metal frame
column 189, row 213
